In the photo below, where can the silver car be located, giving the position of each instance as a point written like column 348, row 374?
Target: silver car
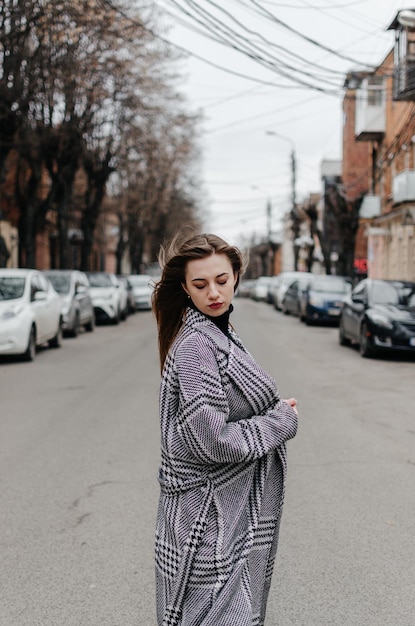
column 142, row 289
column 76, row 304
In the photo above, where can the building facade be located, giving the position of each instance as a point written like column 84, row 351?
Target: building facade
column 379, row 154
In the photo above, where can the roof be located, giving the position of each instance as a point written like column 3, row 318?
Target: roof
column 397, row 25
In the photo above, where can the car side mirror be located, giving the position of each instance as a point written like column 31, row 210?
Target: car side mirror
column 358, row 298
column 80, row 289
column 40, row 296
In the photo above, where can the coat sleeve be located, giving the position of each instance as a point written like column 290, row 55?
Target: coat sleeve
column 203, row 412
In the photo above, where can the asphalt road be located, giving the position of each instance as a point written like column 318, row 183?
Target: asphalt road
column 78, row 493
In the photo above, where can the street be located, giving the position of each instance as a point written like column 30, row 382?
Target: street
column 79, row 456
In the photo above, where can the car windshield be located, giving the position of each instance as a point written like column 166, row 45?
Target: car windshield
column 99, row 280
column 330, row 285
column 61, row 282
column 384, row 293
column 11, row 287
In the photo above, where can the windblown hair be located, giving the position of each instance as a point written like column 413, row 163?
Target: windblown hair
column 169, row 298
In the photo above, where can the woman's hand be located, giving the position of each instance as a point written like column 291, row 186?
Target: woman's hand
column 293, row 403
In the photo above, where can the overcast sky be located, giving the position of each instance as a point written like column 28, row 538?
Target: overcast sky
column 243, row 165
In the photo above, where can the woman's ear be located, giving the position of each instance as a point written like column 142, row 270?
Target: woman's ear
column 185, row 289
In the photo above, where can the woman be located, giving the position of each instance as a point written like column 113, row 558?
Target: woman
column 223, row 457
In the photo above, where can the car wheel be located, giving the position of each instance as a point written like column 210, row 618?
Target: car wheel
column 30, row 353
column 343, row 340
column 56, row 341
column 365, row 348
column 89, row 326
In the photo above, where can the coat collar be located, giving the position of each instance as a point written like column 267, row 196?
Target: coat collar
column 195, row 320
column 257, row 386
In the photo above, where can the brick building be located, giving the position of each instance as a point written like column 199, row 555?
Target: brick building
column 381, row 156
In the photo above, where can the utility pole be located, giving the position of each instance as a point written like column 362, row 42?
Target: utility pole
column 269, row 242
column 295, row 221
column 294, row 214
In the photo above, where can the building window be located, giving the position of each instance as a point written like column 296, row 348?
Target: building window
column 375, row 91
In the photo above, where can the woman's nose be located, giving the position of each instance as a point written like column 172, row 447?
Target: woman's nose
column 213, row 292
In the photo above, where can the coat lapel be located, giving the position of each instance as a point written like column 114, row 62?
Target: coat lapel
column 256, row 385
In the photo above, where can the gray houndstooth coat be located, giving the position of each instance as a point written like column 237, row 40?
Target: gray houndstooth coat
column 222, row 474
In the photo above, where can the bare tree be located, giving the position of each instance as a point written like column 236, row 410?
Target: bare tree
column 341, row 223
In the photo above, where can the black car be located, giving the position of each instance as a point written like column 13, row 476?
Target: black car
column 379, row 315
column 322, row 300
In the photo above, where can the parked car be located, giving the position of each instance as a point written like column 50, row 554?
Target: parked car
column 130, row 300
column 281, row 285
column 260, row 288
column 291, row 302
column 271, row 286
column 76, row 304
column 30, row 313
column 379, row 315
column 106, row 296
column 245, row 288
column 123, row 298
column 323, row 298
column 143, row 290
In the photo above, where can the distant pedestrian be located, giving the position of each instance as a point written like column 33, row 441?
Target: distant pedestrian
column 223, row 456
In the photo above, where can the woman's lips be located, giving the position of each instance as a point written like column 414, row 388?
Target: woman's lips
column 215, row 305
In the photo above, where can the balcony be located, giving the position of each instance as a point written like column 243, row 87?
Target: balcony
column 403, row 187
column 404, row 55
column 370, row 122
column 370, row 207
column 404, row 81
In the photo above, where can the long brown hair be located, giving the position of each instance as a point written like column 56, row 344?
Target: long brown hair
column 169, row 298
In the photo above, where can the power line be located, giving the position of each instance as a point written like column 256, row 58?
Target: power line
column 241, row 44
column 310, row 40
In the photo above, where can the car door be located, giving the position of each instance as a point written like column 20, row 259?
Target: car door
column 39, row 304
column 290, row 298
column 52, row 308
column 81, row 295
column 354, row 309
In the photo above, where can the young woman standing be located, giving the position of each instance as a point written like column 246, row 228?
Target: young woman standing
column 223, row 456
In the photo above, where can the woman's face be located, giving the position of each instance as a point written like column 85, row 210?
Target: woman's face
column 210, row 283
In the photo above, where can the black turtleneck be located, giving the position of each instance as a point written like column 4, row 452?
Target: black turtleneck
column 221, row 321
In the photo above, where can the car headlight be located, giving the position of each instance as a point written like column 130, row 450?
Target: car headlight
column 12, row 312
column 316, row 301
column 381, row 320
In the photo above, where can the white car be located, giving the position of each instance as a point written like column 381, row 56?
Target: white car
column 76, row 304
column 105, row 292
column 142, row 285
column 281, row 285
column 260, row 290
column 30, row 313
